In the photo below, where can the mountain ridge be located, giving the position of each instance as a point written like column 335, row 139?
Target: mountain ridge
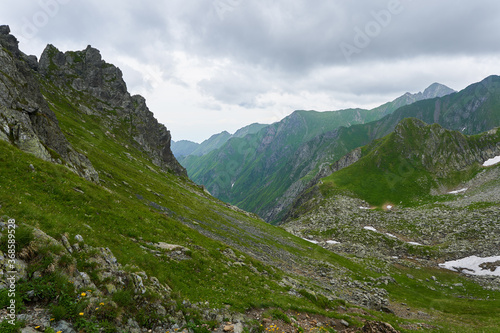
column 184, row 148
column 86, row 71
column 26, row 118
column 261, row 174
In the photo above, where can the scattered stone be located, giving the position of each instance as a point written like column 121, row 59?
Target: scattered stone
column 63, row 326
column 229, row 328
column 66, row 244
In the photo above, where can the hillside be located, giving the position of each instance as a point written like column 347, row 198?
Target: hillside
column 142, row 248
column 263, row 172
column 420, row 190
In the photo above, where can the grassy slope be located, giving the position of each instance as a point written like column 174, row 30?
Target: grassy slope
column 48, row 200
column 392, row 171
column 111, row 215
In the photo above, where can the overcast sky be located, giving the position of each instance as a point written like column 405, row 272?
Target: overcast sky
column 213, row 65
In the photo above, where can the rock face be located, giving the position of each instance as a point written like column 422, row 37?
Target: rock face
column 84, row 72
column 442, row 151
column 26, row 119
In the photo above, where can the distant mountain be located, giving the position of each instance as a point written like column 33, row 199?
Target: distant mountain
column 263, row 172
column 184, row 148
column 471, row 111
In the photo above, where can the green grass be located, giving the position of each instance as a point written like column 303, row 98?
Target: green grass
column 118, row 213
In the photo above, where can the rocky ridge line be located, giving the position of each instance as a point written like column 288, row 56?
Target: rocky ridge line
column 105, row 95
column 26, row 119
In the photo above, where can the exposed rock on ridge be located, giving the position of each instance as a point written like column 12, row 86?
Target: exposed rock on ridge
column 85, row 72
column 26, row 120
column 440, row 150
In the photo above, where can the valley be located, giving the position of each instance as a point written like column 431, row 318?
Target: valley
column 113, row 234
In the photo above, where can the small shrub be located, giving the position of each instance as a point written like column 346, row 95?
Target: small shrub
column 59, row 312
column 278, row 315
column 23, row 237
column 107, row 327
column 123, row 298
column 106, row 313
column 5, row 327
column 5, row 301
column 65, row 261
column 147, row 318
column 319, row 300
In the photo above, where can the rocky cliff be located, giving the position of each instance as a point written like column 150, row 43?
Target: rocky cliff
column 98, row 88
column 26, row 119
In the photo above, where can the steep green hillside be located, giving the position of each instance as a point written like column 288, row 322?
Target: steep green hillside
column 411, row 161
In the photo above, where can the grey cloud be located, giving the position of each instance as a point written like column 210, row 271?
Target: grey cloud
column 288, row 47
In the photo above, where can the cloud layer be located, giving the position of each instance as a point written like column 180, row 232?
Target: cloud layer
column 208, row 66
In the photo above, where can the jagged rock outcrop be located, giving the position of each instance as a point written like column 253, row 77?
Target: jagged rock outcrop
column 107, row 96
column 442, row 151
column 26, row 119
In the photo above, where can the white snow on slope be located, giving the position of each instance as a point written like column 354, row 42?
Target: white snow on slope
column 332, row 242
column 458, row 191
column 492, row 161
column 470, row 265
column 310, row 241
column 370, row 228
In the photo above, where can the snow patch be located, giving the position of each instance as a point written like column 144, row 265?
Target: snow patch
column 332, row 242
column 492, row 161
column 471, row 265
column 389, row 207
column 390, row 235
column 310, row 240
column 370, row 228
column 458, row 191
column 361, row 207
column 232, row 184
column 415, row 243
